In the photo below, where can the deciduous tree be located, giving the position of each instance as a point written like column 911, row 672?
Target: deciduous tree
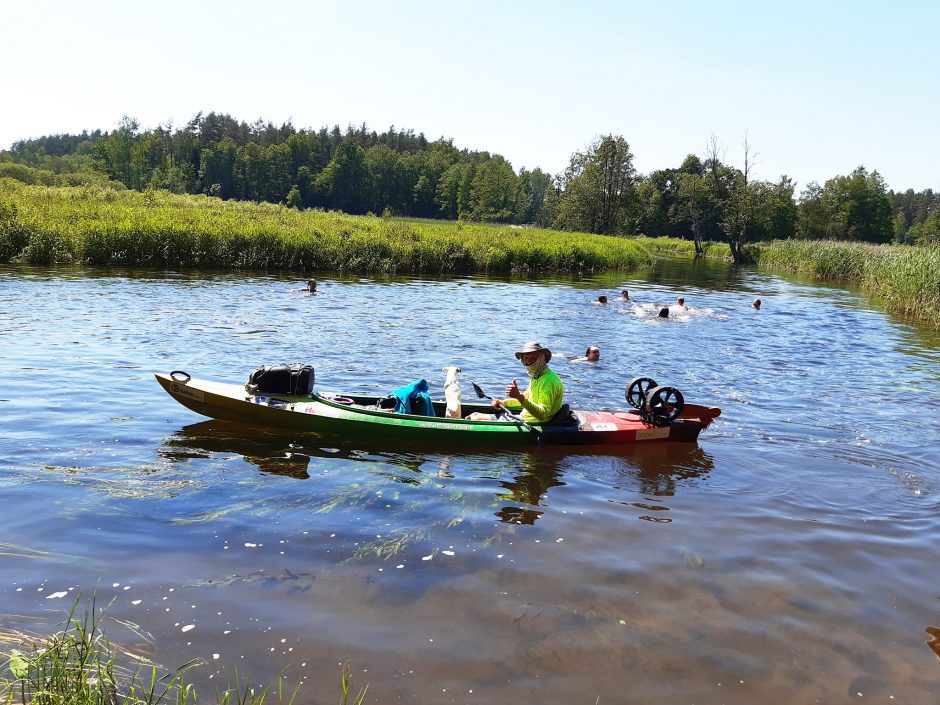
column 598, row 188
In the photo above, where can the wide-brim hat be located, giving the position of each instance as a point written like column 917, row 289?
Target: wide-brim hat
column 534, row 347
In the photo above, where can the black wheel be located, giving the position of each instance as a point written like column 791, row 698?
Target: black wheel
column 665, row 404
column 637, row 390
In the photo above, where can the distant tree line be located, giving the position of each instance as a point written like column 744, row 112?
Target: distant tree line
column 360, row 171
column 356, row 171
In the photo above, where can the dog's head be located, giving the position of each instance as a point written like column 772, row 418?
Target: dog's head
column 452, row 373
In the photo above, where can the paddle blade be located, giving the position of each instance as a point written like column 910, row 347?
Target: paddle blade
column 480, row 393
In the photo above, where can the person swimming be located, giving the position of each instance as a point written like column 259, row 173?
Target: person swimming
column 624, row 295
column 311, row 287
column 602, row 299
column 592, row 354
column 756, row 304
column 663, row 312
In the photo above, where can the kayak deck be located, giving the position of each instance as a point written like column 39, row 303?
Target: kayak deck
column 356, row 417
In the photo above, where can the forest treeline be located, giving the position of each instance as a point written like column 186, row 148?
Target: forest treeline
column 402, row 173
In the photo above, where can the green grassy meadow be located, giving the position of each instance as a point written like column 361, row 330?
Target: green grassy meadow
column 93, row 225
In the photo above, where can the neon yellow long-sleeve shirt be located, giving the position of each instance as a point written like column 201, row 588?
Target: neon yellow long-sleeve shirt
column 542, row 400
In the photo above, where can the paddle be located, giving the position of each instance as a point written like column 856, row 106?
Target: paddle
column 518, row 419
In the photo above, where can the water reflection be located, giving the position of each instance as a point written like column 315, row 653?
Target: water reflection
column 934, row 642
column 276, row 453
column 535, row 476
column 660, row 469
column 655, row 470
column 268, row 452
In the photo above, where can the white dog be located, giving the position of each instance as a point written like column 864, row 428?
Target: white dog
column 452, row 391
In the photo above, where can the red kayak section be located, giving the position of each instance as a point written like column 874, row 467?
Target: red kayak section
column 625, row 427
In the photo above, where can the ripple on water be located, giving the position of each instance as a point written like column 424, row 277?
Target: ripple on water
column 782, row 558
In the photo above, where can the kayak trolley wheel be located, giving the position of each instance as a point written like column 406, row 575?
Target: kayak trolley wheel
column 664, row 404
column 637, row 391
column 183, row 377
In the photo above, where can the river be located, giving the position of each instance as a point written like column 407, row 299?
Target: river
column 791, row 555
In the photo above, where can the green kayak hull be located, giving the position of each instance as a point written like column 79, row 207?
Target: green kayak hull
column 351, row 418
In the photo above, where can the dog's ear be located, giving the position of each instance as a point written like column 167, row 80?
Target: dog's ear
column 443, row 369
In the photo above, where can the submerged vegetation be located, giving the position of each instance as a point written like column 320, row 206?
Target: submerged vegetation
column 93, row 225
column 80, row 666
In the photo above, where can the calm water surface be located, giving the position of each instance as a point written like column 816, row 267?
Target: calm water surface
column 791, row 556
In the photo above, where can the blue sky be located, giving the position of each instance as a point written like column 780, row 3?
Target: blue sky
column 820, row 87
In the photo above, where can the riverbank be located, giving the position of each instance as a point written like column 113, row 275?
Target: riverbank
column 906, row 278
column 45, row 225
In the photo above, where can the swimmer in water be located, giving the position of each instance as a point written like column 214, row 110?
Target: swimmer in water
column 592, row 354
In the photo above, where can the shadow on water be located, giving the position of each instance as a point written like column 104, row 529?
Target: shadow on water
column 656, row 469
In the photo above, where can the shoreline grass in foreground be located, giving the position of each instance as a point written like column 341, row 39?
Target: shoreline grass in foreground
column 77, row 666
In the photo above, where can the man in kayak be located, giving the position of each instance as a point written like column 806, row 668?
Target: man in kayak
column 543, row 398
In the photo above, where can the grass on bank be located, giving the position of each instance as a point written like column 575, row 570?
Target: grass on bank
column 677, row 247
column 97, row 225
column 77, row 666
column 906, row 277
column 45, row 225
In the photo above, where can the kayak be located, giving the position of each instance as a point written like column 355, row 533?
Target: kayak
column 356, row 417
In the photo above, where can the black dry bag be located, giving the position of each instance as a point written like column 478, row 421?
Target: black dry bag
column 288, row 380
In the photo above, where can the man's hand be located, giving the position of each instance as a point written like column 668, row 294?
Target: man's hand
column 512, row 391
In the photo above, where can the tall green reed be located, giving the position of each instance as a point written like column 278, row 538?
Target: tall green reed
column 79, row 665
column 95, row 225
column 906, row 277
